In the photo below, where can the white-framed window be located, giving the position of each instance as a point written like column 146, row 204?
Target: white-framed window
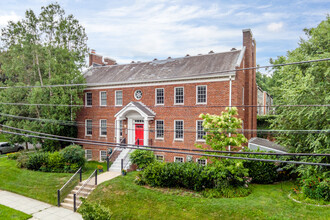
column 88, row 99
column 202, row 162
column 200, row 130
column 103, row 98
column 119, row 98
column 160, row 96
column 160, row 158
column 179, row 95
column 120, row 128
column 178, row 159
column 178, row 130
column 103, row 155
column 159, row 129
column 103, row 127
column 88, row 127
column 88, row 154
column 201, row 94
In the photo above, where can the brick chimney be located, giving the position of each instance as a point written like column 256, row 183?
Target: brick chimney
column 98, row 59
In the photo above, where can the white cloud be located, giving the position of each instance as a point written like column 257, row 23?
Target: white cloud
column 275, row 27
column 5, row 18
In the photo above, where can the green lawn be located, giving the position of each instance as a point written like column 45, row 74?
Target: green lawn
column 129, row 201
column 34, row 184
column 9, row 213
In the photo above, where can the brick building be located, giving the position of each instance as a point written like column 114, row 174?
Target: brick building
column 159, row 102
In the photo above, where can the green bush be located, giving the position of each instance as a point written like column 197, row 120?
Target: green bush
column 93, row 211
column 74, row 154
column 56, row 162
column 22, row 161
column 316, row 188
column 142, row 158
column 220, row 174
column 37, row 160
column 14, row 156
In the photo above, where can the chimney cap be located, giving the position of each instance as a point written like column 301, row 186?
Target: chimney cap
column 211, row 51
column 187, row 55
column 233, row 49
column 169, row 57
column 132, row 61
column 155, row 59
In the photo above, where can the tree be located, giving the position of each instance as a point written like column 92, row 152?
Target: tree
column 223, row 130
column 305, row 84
column 47, row 49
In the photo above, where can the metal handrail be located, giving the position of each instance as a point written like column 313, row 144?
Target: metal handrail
column 73, row 176
column 81, row 188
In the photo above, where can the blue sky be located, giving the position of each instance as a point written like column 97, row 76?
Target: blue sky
column 142, row 30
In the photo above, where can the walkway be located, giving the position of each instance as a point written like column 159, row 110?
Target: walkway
column 44, row 211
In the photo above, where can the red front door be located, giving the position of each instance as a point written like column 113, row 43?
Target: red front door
column 139, row 134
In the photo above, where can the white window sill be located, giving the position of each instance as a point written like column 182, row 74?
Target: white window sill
column 201, row 140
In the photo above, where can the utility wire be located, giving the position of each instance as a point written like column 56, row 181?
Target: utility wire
column 216, row 72
column 153, row 129
column 171, row 151
column 95, row 142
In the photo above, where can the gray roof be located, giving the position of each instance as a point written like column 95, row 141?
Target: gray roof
column 144, row 108
column 169, row 69
column 267, row 143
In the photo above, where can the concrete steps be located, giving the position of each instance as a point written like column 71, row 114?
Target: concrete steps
column 68, row 201
column 116, row 166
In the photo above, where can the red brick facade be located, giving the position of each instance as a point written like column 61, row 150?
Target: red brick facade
column 217, row 95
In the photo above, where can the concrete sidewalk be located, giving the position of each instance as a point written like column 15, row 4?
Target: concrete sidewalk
column 44, row 211
column 39, row 210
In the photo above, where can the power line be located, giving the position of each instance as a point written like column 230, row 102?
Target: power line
column 216, row 72
column 171, row 151
column 153, row 129
column 95, row 142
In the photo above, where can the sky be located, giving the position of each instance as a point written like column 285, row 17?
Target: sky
column 142, row 30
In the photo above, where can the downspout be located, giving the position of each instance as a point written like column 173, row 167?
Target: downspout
column 230, row 85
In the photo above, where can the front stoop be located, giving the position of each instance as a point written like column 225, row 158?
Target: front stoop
column 68, row 201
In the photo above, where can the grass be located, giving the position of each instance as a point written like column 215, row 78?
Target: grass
column 9, row 213
column 34, row 184
column 127, row 200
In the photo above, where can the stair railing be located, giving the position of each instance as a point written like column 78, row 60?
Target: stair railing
column 68, row 186
column 78, row 194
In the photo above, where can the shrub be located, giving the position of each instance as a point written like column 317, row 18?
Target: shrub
column 22, row 161
column 14, row 156
column 74, row 154
column 37, row 160
column 316, row 188
column 142, row 158
column 55, row 162
column 218, row 175
column 93, row 211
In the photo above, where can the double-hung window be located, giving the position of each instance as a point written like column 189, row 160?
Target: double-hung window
column 178, row 95
column 200, row 131
column 160, row 158
column 159, row 129
column 201, row 96
column 178, row 159
column 119, row 98
column 103, row 155
column 160, row 96
column 178, row 134
column 88, row 154
column 88, row 99
column 88, row 127
column 201, row 161
column 103, row 98
column 103, row 127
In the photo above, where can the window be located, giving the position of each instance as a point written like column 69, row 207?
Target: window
column 103, row 155
column 103, row 98
column 201, row 161
column 138, row 94
column 201, row 95
column 120, row 128
column 88, row 128
column 160, row 129
column 88, row 154
column 178, row 159
column 179, row 95
column 178, row 130
column 160, row 96
column 200, row 130
column 88, row 99
column 160, row 158
column 103, row 127
column 119, row 98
